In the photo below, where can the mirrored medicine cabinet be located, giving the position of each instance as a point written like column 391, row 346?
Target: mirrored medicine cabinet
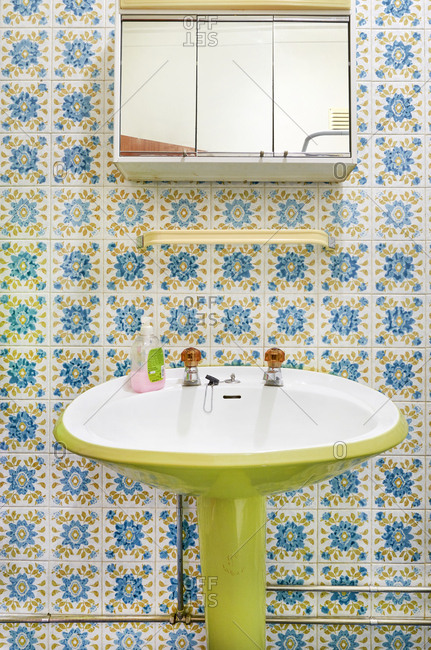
column 234, row 97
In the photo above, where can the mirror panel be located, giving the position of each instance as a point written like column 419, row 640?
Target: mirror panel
column 158, row 88
column 311, row 78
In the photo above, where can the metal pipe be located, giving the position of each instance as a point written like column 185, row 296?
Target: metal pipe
column 180, row 582
column 356, row 588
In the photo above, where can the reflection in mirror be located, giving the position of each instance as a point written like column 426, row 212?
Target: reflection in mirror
column 158, row 88
column 311, row 87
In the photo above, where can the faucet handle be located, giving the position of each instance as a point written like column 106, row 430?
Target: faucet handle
column 191, row 357
column 274, row 357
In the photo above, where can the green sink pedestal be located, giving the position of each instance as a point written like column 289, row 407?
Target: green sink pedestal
column 232, row 536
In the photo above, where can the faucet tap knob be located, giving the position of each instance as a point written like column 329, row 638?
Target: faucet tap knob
column 191, row 357
column 274, row 357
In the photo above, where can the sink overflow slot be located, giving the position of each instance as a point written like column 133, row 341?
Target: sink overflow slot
column 232, row 396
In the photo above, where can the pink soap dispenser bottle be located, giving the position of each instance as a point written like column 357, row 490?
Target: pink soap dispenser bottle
column 148, row 361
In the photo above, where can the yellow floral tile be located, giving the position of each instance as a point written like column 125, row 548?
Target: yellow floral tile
column 350, row 364
column 121, row 490
column 344, row 603
column 290, row 268
column 78, row 54
column 290, row 320
column 129, row 212
column 78, row 14
column 360, row 175
column 398, row 603
column 304, row 497
column 116, row 363
column 385, row 636
column 363, row 53
column 73, row 371
column 77, row 106
column 399, row 320
column 75, row 588
column 290, row 602
column 398, row 214
column 24, row 106
column 345, row 321
column 398, row 14
column 76, row 319
column 123, row 316
column 399, row 374
column 294, row 635
column 75, row 481
column 398, row 55
column 185, row 320
column 76, row 213
column 24, row 588
column 398, row 108
column 352, row 489
column 24, row 478
column 184, row 268
column 75, row 535
column 346, row 268
column 74, row 634
column 129, row 588
column 77, row 159
column 345, row 213
column 183, row 635
column 331, row 636
column 398, row 536
column 399, row 161
column 128, row 535
column 25, row 426
column 399, row 267
column 128, row 268
column 291, row 536
column 25, row 54
column 238, row 208
column 24, row 633
column 237, row 268
column 25, row 318
column 363, row 112
column 237, row 356
column 24, row 212
column 398, row 482
column 237, row 320
column 24, row 373
column 140, row 635
column 295, row 207
column 416, row 441
column 24, row 159
column 24, row 14
column 23, row 266
column 344, row 536
column 25, row 534
column 76, row 266
column 184, row 207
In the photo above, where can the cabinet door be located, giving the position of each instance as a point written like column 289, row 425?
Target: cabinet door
column 311, row 81
column 234, row 104
column 158, row 87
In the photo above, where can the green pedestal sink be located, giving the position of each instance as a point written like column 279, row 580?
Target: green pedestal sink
column 256, row 440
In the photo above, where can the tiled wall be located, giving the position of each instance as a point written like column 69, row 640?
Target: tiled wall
column 75, row 537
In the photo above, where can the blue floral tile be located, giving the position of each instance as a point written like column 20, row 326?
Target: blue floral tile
column 416, row 440
column 25, row 54
column 129, row 588
column 166, row 534
column 24, row 160
column 290, row 269
column 182, row 636
column 398, row 214
column 236, row 356
column 398, row 603
column 290, row 602
column 241, row 207
column 184, row 207
column 344, row 536
column 400, row 374
column 24, row 534
column 75, row 482
column 25, row 427
column 304, row 497
column 237, row 268
column 24, row 589
column 345, row 321
column 24, row 478
column 350, row 489
column 75, row 588
column 295, row 207
column 398, row 482
column 350, row 364
column 399, row 267
column 399, row 161
column 398, row 13
column 77, row 106
column 25, row 319
column 185, row 319
column 75, row 535
column 290, row 320
column 184, row 268
column 79, row 13
column 83, row 636
column 74, row 371
column 344, row 603
column 76, row 319
column 344, row 636
column 24, row 106
column 402, row 636
column 237, row 320
column 24, row 212
column 126, row 268
column 76, row 213
column 123, row 316
column 363, row 13
column 77, row 160
column 78, row 54
column 291, row 536
column 24, row 373
column 363, row 107
column 116, row 363
column 398, row 55
column 398, row 536
column 76, row 266
column 129, row 212
column 167, row 588
column 346, row 268
column 122, row 491
column 399, row 320
column 30, row 635
column 399, row 108
column 345, row 213
column 129, row 535
column 297, row 635
column 363, row 54
column 361, row 173
column 26, row 13
column 130, row 635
